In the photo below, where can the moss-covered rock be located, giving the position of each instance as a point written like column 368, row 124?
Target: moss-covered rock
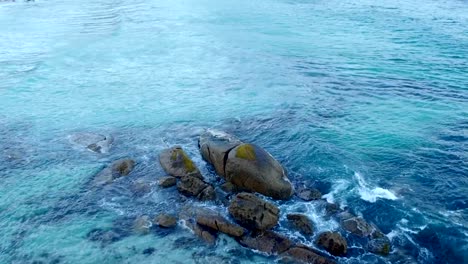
column 177, row 163
column 251, row 168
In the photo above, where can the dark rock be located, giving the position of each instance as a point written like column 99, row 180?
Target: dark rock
column 332, row 208
column 253, row 212
column 301, row 223
column 92, row 142
column 381, row 246
column 333, row 242
column 165, row 220
column 219, row 223
column 229, row 188
column 357, row 226
column 117, row 169
column 252, row 168
column 149, row 251
column 177, row 163
column 309, row 194
column 215, row 146
column 208, row 194
column 191, row 186
column 266, row 241
column 306, row 255
column 142, row 225
column 168, row 181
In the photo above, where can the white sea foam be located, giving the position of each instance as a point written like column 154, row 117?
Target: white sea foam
column 370, row 193
column 338, row 187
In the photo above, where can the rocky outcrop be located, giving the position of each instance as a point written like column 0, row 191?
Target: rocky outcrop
column 267, row 242
column 302, row 223
column 177, row 163
column 165, row 220
column 247, row 166
column 206, row 234
column 333, row 242
column 219, row 223
column 305, row 254
column 167, row 181
column 215, row 146
column 252, row 212
column 93, row 142
column 252, row 168
column 117, row 169
column 193, row 186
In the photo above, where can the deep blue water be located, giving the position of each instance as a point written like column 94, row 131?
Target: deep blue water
column 366, row 100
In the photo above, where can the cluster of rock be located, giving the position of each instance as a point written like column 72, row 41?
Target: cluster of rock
column 247, row 169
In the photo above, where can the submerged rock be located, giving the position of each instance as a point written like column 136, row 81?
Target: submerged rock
column 252, row 212
column 117, row 169
column 252, row 168
column 140, row 187
column 215, row 146
column 93, row 142
column 302, row 223
column 381, row 246
column 306, row 255
column 103, row 236
column 333, row 242
column 267, row 241
column 165, row 220
column 142, row 225
column 167, row 181
column 219, row 223
column 177, row 163
column 309, row 194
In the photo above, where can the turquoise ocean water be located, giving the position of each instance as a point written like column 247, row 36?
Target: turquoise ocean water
column 366, row 100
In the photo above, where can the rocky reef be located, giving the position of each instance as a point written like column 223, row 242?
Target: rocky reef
column 243, row 202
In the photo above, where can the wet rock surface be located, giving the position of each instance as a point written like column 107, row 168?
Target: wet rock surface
column 165, row 220
column 193, row 186
column 267, row 241
column 167, row 181
column 219, row 223
column 117, row 169
column 305, row 254
column 252, row 212
column 301, row 223
column 333, row 242
column 309, row 194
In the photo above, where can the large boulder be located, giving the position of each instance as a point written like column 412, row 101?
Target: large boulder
column 302, row 223
column 306, row 255
column 252, row 212
column 333, row 242
column 215, row 146
column 177, row 163
column 204, row 233
column 219, row 223
column 117, row 169
column 193, row 186
column 91, row 141
column 252, row 168
column 267, row 242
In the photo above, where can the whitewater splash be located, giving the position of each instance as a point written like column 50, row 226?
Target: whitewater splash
column 370, row 194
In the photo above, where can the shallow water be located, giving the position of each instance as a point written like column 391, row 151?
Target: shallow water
column 367, row 101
